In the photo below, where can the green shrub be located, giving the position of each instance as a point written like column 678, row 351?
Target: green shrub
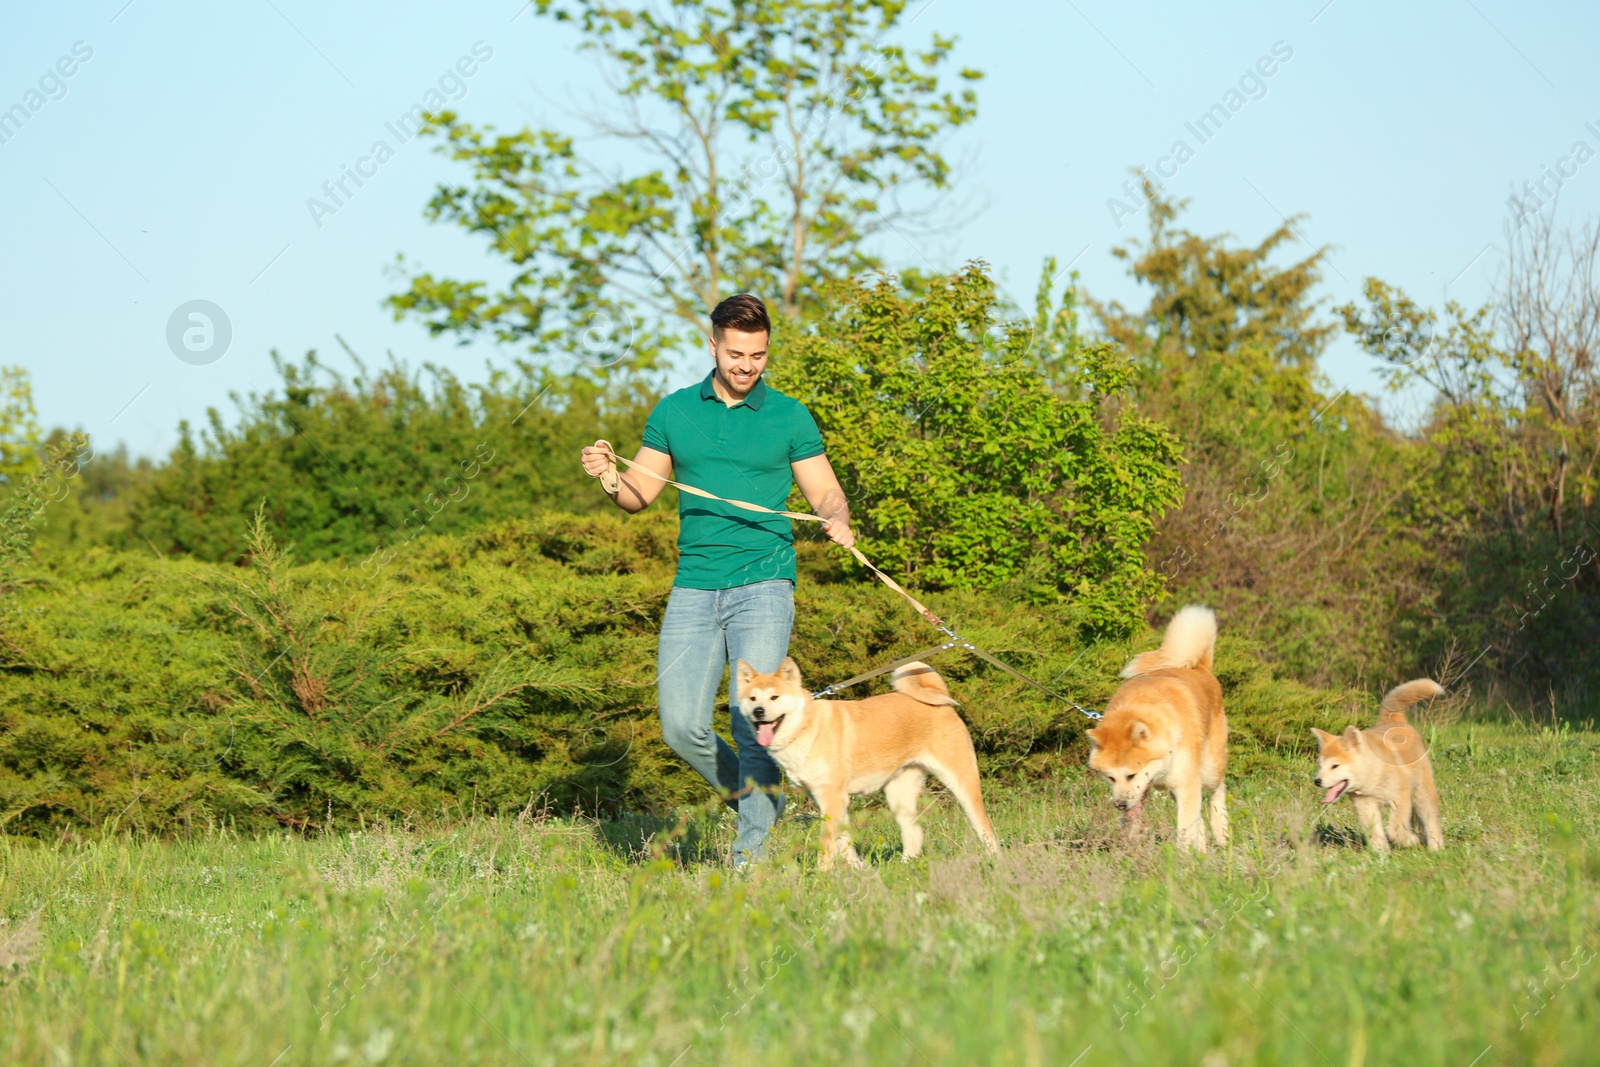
column 489, row 671
column 352, row 467
column 966, row 468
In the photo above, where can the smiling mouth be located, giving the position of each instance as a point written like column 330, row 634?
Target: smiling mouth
column 1336, row 791
column 766, row 729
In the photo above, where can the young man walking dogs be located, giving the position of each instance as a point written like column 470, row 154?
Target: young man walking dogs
column 733, row 597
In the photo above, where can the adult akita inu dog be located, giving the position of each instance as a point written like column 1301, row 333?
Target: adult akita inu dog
column 1165, row 729
column 834, row 748
column 1386, row 766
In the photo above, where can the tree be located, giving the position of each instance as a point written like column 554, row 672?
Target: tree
column 1288, row 522
column 773, row 139
column 1505, row 468
column 1548, row 312
column 45, row 484
column 1226, row 327
column 966, row 469
column 29, row 485
column 19, row 427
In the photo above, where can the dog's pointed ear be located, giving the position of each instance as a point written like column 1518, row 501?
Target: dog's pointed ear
column 1352, row 736
column 1094, row 736
column 743, row 672
column 789, row 671
column 1322, row 736
column 1139, row 732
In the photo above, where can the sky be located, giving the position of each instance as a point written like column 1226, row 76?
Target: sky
column 174, row 164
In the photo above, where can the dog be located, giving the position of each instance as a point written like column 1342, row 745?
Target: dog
column 833, row 748
column 1165, row 729
column 1385, row 767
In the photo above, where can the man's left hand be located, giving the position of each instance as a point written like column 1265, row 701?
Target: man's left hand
column 839, row 532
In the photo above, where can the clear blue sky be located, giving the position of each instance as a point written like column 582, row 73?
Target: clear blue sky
column 178, row 162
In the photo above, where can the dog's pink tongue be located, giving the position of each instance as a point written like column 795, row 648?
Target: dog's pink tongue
column 764, row 732
column 1334, row 792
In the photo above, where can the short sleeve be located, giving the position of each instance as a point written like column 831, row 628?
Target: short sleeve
column 655, row 429
column 805, row 440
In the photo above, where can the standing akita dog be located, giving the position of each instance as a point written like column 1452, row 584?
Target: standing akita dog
column 1165, row 729
column 834, row 748
column 1385, row 767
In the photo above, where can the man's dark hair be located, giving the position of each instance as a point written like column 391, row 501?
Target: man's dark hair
column 744, row 313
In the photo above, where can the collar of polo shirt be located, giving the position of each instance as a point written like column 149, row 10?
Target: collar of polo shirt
column 757, row 393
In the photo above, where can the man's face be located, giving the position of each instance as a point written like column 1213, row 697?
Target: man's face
column 741, row 358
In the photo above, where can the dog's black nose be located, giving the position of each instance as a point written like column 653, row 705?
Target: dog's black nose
column 1317, row 781
column 757, row 712
column 1122, row 804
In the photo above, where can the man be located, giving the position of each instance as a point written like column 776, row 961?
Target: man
column 733, row 597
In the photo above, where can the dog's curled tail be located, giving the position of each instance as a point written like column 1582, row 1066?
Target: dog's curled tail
column 1191, row 638
column 1401, row 697
column 921, row 682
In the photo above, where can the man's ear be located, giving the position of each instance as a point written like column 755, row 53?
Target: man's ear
column 742, row 672
column 789, row 671
column 1139, row 732
column 1352, row 736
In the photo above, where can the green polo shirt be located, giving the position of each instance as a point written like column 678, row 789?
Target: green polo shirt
column 740, row 451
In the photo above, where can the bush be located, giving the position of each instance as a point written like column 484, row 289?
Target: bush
column 966, row 468
column 352, row 467
column 489, row 671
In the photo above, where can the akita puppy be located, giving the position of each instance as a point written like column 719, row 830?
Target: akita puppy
column 834, row 748
column 1165, row 729
column 1386, row 766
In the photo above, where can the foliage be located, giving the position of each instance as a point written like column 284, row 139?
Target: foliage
column 547, row 940
column 1370, row 554
column 45, row 484
column 356, row 469
column 1513, row 558
column 965, row 467
column 1290, row 523
column 516, row 663
column 19, row 427
column 1228, row 345
column 803, row 131
column 1057, row 333
column 93, row 508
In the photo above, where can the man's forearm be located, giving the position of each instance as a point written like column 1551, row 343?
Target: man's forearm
column 627, row 497
column 821, row 488
column 834, row 507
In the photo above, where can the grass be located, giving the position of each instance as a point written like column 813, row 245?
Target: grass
column 546, row 941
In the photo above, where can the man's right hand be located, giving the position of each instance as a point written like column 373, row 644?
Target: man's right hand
column 629, row 494
column 596, row 460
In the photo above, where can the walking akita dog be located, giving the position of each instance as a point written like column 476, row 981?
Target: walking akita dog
column 834, row 748
column 1385, row 767
column 1165, row 729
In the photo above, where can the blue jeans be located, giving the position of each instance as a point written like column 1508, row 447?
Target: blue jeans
column 703, row 632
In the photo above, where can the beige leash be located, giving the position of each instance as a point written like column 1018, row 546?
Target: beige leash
column 611, row 481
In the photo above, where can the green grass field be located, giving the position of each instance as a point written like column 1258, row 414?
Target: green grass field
column 545, row 941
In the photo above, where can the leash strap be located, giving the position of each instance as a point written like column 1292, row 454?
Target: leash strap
column 822, row 694
column 612, row 481
column 976, row 651
column 802, row 516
